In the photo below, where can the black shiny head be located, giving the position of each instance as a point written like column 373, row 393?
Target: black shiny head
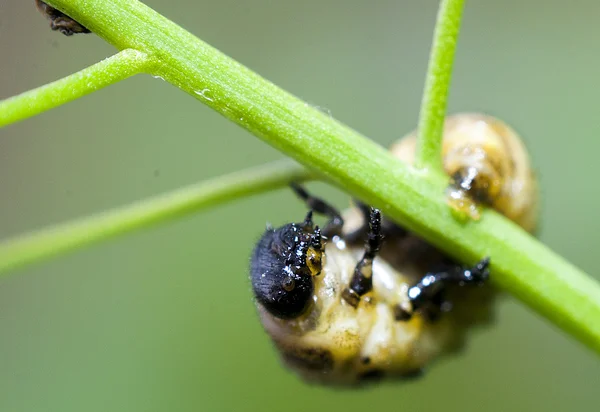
column 283, row 265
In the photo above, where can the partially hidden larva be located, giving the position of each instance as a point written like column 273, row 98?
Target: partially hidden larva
column 60, row 21
column 362, row 298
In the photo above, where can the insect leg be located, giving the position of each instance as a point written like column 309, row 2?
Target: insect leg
column 362, row 279
column 388, row 227
column 334, row 226
column 427, row 295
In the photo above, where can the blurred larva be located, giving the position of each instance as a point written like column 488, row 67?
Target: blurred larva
column 60, row 21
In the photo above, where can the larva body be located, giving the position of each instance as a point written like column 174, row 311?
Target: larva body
column 489, row 165
column 370, row 299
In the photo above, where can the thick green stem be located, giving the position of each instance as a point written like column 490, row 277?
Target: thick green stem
column 111, row 70
column 520, row 264
column 53, row 241
column 437, row 85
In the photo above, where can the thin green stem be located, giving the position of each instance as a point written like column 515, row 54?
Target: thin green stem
column 520, row 264
column 437, row 85
column 63, row 238
column 111, row 70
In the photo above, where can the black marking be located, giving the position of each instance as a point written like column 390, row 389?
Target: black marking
column 311, row 359
column 373, row 375
column 401, row 314
column 474, row 183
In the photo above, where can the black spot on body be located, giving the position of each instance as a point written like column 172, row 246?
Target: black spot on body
column 310, row 359
column 400, row 314
column 372, row 375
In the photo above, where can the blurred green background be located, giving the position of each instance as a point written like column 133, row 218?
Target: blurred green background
column 164, row 319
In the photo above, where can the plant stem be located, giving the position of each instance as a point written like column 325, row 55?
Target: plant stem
column 53, row 241
column 437, row 85
column 122, row 65
column 520, row 264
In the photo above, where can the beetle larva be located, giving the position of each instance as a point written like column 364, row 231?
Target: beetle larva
column 60, row 21
column 488, row 165
column 364, row 298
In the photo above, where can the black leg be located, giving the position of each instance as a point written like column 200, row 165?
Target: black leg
column 334, row 226
column 362, row 279
column 308, row 222
column 428, row 295
column 388, row 227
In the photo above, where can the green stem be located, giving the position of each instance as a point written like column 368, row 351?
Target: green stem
column 520, row 264
column 437, row 85
column 53, row 241
column 111, row 70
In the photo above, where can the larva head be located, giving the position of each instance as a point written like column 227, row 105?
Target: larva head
column 488, row 165
column 282, row 268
